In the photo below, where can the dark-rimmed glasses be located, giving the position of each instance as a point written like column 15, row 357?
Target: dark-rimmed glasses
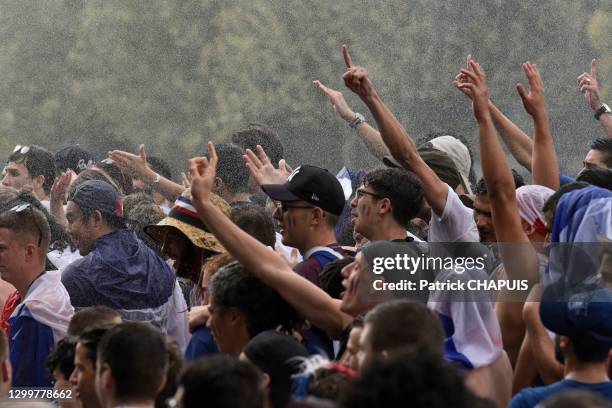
column 360, row 193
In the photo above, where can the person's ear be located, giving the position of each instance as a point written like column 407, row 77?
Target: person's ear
column 384, row 206
column 266, row 380
column 97, row 217
column 31, row 251
column 163, row 382
column 218, row 183
column 318, row 216
column 38, row 181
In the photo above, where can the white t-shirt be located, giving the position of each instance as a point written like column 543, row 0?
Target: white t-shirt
column 456, row 224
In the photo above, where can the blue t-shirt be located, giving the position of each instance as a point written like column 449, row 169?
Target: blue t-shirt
column 201, row 344
column 530, row 397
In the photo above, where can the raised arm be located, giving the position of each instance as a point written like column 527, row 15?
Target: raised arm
column 308, row 299
column 544, row 167
column 520, row 262
column 400, row 144
column 587, row 81
column 137, row 166
column 368, row 135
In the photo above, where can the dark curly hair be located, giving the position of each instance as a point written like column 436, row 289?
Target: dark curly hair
column 233, row 287
column 417, row 376
column 402, row 188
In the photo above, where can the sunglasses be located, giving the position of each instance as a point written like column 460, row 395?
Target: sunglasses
column 21, row 149
column 19, row 209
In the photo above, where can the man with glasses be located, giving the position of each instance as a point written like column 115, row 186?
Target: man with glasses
column 308, row 207
column 43, row 312
column 31, row 167
column 386, row 202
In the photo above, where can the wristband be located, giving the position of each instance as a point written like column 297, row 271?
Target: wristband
column 359, row 119
column 603, row 109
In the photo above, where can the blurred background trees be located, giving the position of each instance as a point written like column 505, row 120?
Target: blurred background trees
column 174, row 74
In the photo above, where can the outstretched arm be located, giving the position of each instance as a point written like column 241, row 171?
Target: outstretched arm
column 137, row 166
column 308, row 299
column 370, row 136
column 544, row 167
column 400, row 144
column 587, row 81
column 520, row 262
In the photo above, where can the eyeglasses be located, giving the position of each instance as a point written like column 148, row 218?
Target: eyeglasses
column 361, row 193
column 284, row 207
column 21, row 149
column 20, row 208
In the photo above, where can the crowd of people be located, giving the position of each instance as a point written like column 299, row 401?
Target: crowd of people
column 244, row 282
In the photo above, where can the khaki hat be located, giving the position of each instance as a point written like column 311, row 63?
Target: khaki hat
column 184, row 217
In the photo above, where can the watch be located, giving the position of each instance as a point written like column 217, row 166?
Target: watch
column 359, row 119
column 156, row 180
column 602, row 109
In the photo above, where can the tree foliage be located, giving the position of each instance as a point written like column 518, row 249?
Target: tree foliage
column 173, row 74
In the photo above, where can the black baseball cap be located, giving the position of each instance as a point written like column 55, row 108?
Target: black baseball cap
column 98, row 195
column 75, row 158
column 312, row 184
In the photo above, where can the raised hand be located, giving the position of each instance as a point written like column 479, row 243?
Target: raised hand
column 60, row 186
column 587, row 81
column 534, row 101
column 461, row 78
column 262, row 170
column 336, row 98
column 203, row 172
column 475, row 82
column 356, row 78
column 135, row 165
column 185, row 182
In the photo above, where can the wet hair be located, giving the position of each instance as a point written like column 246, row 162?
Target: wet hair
column 39, row 162
column 418, row 376
column 62, row 357
column 122, row 180
column 255, row 221
column 258, row 134
column 233, row 287
column 92, row 174
column 175, row 367
column 331, row 276
column 91, row 317
column 29, row 222
column 59, row 239
column 140, row 210
column 481, row 186
column 604, row 145
column 588, row 349
column 402, row 323
column 90, row 338
column 137, row 357
column 402, row 188
column 329, row 383
column 231, row 168
column 596, row 176
column 222, row 381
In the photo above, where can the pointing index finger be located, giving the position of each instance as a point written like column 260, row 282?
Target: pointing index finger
column 347, row 57
column 594, row 68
